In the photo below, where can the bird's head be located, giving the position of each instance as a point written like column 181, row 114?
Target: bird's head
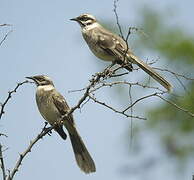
column 85, row 20
column 41, row 80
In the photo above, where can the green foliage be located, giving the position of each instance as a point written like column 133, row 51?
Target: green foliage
column 171, row 41
column 174, row 127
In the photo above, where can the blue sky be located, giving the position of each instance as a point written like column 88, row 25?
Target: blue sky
column 44, row 41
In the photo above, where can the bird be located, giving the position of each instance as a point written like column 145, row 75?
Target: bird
column 53, row 106
column 109, row 46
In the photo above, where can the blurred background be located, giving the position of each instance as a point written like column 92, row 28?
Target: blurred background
column 44, row 41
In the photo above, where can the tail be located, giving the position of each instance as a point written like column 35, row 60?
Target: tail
column 151, row 72
column 82, row 156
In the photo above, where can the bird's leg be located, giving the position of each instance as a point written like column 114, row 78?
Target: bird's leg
column 45, row 128
column 45, row 125
column 108, row 70
column 127, row 65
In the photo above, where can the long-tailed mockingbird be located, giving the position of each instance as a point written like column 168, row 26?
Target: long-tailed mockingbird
column 53, row 107
column 111, row 47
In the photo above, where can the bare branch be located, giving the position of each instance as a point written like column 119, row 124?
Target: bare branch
column 181, row 83
column 96, row 84
column 86, row 101
column 131, row 124
column 1, row 25
column 117, row 18
column 2, row 163
column 5, row 37
column 115, row 110
column 104, row 84
column 142, row 98
column 175, row 73
column 28, row 150
column 177, row 76
column 176, row 106
column 9, row 97
column 1, row 134
column 117, row 75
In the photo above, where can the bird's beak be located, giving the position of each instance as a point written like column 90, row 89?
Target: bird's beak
column 30, row 77
column 74, row 19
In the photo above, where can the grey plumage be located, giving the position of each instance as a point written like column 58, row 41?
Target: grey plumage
column 52, row 107
column 111, row 47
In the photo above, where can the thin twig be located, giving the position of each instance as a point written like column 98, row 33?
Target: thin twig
column 86, row 101
column 117, row 17
column 1, row 25
column 142, row 98
column 126, row 40
column 76, row 90
column 104, row 84
column 1, row 134
column 5, row 37
column 131, row 124
column 175, row 73
column 9, row 97
column 176, row 106
column 131, row 112
column 181, row 83
column 2, row 163
column 115, row 110
column 118, row 75
column 28, row 150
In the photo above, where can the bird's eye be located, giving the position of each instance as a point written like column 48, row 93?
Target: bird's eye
column 84, row 18
column 40, row 79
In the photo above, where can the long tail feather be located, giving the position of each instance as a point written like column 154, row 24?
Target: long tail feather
column 82, row 156
column 151, row 72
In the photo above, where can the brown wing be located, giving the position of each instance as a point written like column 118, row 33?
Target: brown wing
column 62, row 105
column 114, row 45
column 111, row 43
